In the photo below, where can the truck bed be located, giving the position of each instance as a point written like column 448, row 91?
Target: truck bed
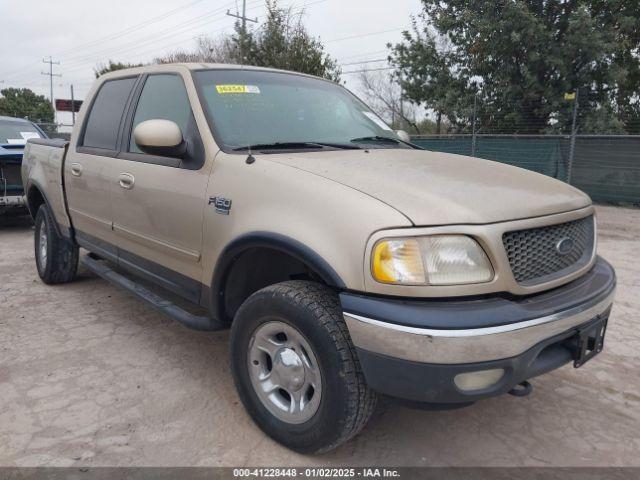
column 42, row 168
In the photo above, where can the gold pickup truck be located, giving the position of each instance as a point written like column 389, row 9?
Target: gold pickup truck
column 347, row 262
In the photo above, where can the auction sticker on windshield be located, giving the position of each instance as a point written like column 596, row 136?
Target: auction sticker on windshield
column 237, row 89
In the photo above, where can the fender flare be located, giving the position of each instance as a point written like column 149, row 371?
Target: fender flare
column 269, row 240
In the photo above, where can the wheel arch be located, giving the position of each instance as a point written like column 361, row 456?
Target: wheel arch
column 264, row 248
column 35, row 196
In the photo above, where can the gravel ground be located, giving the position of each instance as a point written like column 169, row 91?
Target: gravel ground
column 89, row 376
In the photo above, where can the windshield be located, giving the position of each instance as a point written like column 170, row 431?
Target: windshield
column 250, row 107
column 17, row 133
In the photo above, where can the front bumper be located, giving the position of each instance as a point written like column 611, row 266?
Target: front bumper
column 12, row 201
column 414, row 349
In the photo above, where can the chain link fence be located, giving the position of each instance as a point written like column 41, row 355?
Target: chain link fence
column 56, row 130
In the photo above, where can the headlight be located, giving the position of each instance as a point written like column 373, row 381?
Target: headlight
column 432, row 260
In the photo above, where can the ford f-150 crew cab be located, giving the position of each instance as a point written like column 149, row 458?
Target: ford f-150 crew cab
column 346, row 261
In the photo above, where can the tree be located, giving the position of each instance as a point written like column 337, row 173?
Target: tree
column 383, row 94
column 518, row 58
column 208, row 50
column 112, row 66
column 24, row 103
column 282, row 41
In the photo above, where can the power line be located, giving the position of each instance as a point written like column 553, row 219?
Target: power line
column 132, row 28
column 364, row 35
column 153, row 39
column 363, row 61
column 174, row 30
column 368, row 70
column 134, row 46
column 363, row 54
column 116, row 34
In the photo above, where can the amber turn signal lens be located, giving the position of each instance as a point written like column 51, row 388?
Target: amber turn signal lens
column 398, row 261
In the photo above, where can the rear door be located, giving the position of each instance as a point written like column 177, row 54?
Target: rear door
column 158, row 202
column 89, row 171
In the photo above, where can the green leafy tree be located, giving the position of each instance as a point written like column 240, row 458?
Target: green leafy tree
column 24, row 103
column 282, row 41
column 112, row 66
column 519, row 58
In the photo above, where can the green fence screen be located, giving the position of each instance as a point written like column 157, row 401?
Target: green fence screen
column 607, row 167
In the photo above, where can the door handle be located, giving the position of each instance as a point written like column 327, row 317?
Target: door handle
column 126, row 181
column 76, row 169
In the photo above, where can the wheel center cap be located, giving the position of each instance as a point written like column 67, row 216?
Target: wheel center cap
column 290, row 368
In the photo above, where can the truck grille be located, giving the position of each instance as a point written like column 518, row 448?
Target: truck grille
column 10, row 177
column 535, row 256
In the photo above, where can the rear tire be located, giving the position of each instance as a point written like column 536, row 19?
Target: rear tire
column 56, row 256
column 310, row 318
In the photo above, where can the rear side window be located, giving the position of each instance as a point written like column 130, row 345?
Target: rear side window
column 101, row 130
column 163, row 97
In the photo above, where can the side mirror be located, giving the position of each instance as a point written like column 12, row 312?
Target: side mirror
column 404, row 136
column 160, row 137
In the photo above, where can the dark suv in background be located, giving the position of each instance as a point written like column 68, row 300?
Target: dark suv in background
column 14, row 133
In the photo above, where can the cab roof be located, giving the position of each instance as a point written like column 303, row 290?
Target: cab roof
column 196, row 66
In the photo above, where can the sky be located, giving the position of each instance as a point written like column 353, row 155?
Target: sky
column 80, row 34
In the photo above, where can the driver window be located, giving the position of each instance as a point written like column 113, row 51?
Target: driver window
column 163, row 97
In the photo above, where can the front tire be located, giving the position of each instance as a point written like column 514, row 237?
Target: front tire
column 296, row 369
column 56, row 256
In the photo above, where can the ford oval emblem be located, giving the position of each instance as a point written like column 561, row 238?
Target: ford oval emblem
column 564, row 246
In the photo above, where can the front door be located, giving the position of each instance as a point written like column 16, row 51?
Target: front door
column 158, row 202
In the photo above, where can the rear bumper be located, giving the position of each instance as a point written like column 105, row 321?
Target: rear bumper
column 414, row 350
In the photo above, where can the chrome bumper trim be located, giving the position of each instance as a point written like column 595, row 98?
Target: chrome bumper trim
column 472, row 345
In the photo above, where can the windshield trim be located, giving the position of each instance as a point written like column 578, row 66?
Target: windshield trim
column 216, row 134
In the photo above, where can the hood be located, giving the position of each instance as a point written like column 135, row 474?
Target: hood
column 11, row 150
column 433, row 188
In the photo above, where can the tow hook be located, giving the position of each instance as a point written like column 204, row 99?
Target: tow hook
column 522, row 390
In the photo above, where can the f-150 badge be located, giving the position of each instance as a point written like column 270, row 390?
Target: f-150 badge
column 221, row 204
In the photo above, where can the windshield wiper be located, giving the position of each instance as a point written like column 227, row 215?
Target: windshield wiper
column 376, row 138
column 294, row 146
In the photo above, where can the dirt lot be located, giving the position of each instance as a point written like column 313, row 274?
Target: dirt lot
column 90, row 376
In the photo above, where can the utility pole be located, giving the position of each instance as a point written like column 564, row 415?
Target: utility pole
column 574, row 131
column 243, row 31
column 50, row 74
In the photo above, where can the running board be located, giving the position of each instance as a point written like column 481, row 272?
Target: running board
column 94, row 263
